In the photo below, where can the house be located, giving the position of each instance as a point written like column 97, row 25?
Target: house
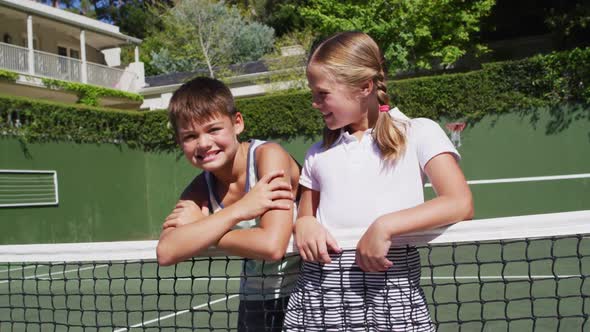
column 40, row 41
column 249, row 79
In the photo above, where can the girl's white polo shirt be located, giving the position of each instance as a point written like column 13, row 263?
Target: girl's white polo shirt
column 356, row 186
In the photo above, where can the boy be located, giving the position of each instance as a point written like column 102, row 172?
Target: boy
column 249, row 187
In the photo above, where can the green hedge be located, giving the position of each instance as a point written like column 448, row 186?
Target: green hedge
column 6, row 75
column 34, row 121
column 498, row 87
column 280, row 116
column 89, row 94
column 47, row 121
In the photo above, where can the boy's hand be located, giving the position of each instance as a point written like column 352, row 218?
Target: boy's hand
column 314, row 241
column 264, row 196
column 372, row 249
column 185, row 212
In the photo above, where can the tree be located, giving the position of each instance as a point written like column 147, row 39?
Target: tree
column 570, row 19
column 69, row 5
column 137, row 18
column 281, row 15
column 412, row 34
column 208, row 34
column 223, row 36
column 172, row 49
column 134, row 17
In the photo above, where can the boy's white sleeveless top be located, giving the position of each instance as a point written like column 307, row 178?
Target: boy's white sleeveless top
column 260, row 280
column 356, row 186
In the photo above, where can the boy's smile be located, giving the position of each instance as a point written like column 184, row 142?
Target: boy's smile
column 212, row 144
column 208, row 156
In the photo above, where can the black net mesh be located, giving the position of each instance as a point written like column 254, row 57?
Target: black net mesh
column 538, row 284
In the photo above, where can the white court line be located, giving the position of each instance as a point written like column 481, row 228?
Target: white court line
column 169, row 279
column 28, row 267
column 200, row 279
column 177, row 313
column 527, row 179
column 43, row 277
column 549, row 276
column 428, row 278
column 423, row 278
column 35, row 276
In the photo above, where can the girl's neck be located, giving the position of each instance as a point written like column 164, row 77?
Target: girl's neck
column 368, row 120
column 234, row 171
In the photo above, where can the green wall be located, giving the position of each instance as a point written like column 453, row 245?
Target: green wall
column 102, row 190
column 106, row 192
column 110, row 192
column 532, row 143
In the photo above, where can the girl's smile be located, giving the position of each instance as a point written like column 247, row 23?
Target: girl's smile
column 326, row 116
column 339, row 104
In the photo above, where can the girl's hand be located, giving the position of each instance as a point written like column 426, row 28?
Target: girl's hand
column 185, row 212
column 314, row 241
column 264, row 196
column 372, row 249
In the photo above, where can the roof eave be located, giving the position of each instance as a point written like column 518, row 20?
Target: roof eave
column 46, row 14
column 230, row 80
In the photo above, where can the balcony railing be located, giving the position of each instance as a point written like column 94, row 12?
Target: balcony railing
column 110, row 77
column 58, row 67
column 16, row 58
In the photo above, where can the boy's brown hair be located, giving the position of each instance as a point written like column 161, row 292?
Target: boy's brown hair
column 200, row 99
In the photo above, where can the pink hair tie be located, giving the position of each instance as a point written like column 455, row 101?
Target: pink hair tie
column 383, row 108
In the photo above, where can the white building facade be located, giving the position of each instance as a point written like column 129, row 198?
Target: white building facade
column 38, row 41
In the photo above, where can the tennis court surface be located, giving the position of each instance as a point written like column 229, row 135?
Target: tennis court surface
column 518, row 273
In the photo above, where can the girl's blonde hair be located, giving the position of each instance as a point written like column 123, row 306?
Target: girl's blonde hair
column 353, row 58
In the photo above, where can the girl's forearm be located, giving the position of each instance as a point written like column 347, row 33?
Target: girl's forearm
column 438, row 212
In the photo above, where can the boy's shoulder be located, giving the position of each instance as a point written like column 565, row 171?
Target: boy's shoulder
column 271, row 155
column 196, row 190
column 271, row 150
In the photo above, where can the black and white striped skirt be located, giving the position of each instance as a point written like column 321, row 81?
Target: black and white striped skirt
column 341, row 297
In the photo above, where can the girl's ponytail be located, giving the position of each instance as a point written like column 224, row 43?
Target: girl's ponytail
column 388, row 134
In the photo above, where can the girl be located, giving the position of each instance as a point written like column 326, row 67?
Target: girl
column 249, row 187
column 367, row 175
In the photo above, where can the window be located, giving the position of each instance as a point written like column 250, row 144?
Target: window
column 7, row 38
column 62, row 63
column 69, row 69
column 68, row 52
column 62, row 51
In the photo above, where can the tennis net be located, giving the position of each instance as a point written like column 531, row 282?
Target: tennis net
column 516, row 273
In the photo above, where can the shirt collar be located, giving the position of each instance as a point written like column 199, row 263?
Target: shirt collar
column 344, row 136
